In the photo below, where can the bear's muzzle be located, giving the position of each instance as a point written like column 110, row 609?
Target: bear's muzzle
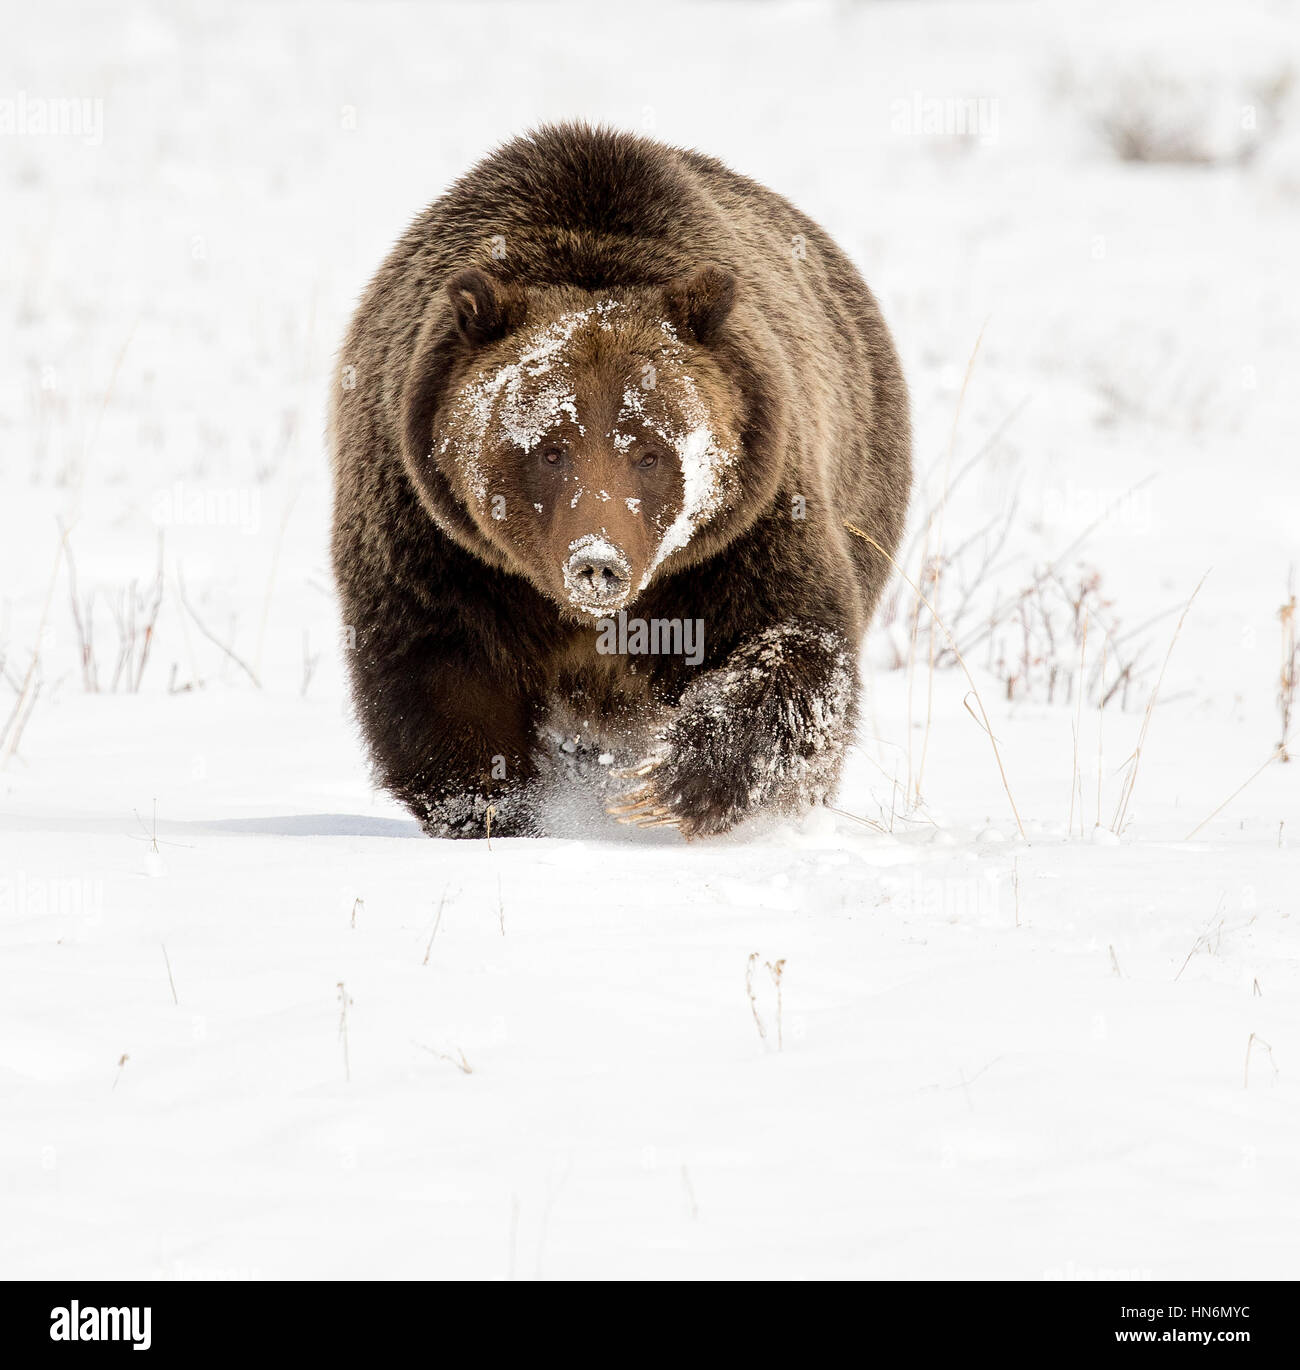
column 597, row 575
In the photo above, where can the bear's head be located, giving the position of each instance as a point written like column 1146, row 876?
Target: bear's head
column 580, row 439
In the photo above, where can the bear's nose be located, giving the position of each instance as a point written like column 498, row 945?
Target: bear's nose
column 597, row 574
column 599, row 578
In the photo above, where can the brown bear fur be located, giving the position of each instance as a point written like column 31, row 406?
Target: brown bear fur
column 582, row 321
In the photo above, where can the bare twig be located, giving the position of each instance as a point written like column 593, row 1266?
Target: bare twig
column 437, row 923
column 85, row 626
column 151, row 619
column 345, row 1003
column 1203, row 940
column 984, row 449
column 866, row 822
column 20, row 725
column 1001, row 610
column 1101, row 715
column 275, row 553
column 1075, row 782
column 1289, row 679
column 26, row 698
column 1255, row 1037
column 459, row 1060
column 168, row 961
column 212, row 637
column 753, row 1001
column 694, row 1208
column 310, row 660
column 776, row 970
column 938, row 558
column 997, row 755
column 1278, row 754
column 1126, row 792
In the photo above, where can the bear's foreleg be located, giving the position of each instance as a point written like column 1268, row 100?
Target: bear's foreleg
column 452, row 746
column 765, row 731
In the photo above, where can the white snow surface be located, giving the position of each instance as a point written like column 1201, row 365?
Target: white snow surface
column 299, row 1038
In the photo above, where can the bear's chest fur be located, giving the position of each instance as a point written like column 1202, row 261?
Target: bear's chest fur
column 607, row 686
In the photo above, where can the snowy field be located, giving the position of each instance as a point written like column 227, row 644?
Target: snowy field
column 293, row 1037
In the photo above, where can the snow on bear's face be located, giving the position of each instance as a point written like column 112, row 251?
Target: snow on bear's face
column 590, row 447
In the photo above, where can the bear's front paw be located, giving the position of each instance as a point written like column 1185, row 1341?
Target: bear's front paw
column 765, row 733
column 669, row 800
column 703, row 779
column 647, row 806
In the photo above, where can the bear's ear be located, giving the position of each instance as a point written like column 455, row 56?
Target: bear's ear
column 483, row 307
column 701, row 301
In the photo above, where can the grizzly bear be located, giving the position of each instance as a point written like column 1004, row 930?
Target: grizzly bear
column 602, row 415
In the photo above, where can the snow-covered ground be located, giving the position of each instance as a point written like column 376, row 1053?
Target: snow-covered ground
column 297, row 1038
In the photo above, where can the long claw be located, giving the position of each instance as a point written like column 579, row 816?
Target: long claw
column 634, row 799
column 642, row 808
column 649, row 819
column 642, row 768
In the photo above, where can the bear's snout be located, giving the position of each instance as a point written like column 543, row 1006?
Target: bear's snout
column 597, row 575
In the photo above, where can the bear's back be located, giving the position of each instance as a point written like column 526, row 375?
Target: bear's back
column 574, row 205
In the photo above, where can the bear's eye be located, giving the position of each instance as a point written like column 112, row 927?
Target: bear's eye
column 552, row 456
column 649, row 461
